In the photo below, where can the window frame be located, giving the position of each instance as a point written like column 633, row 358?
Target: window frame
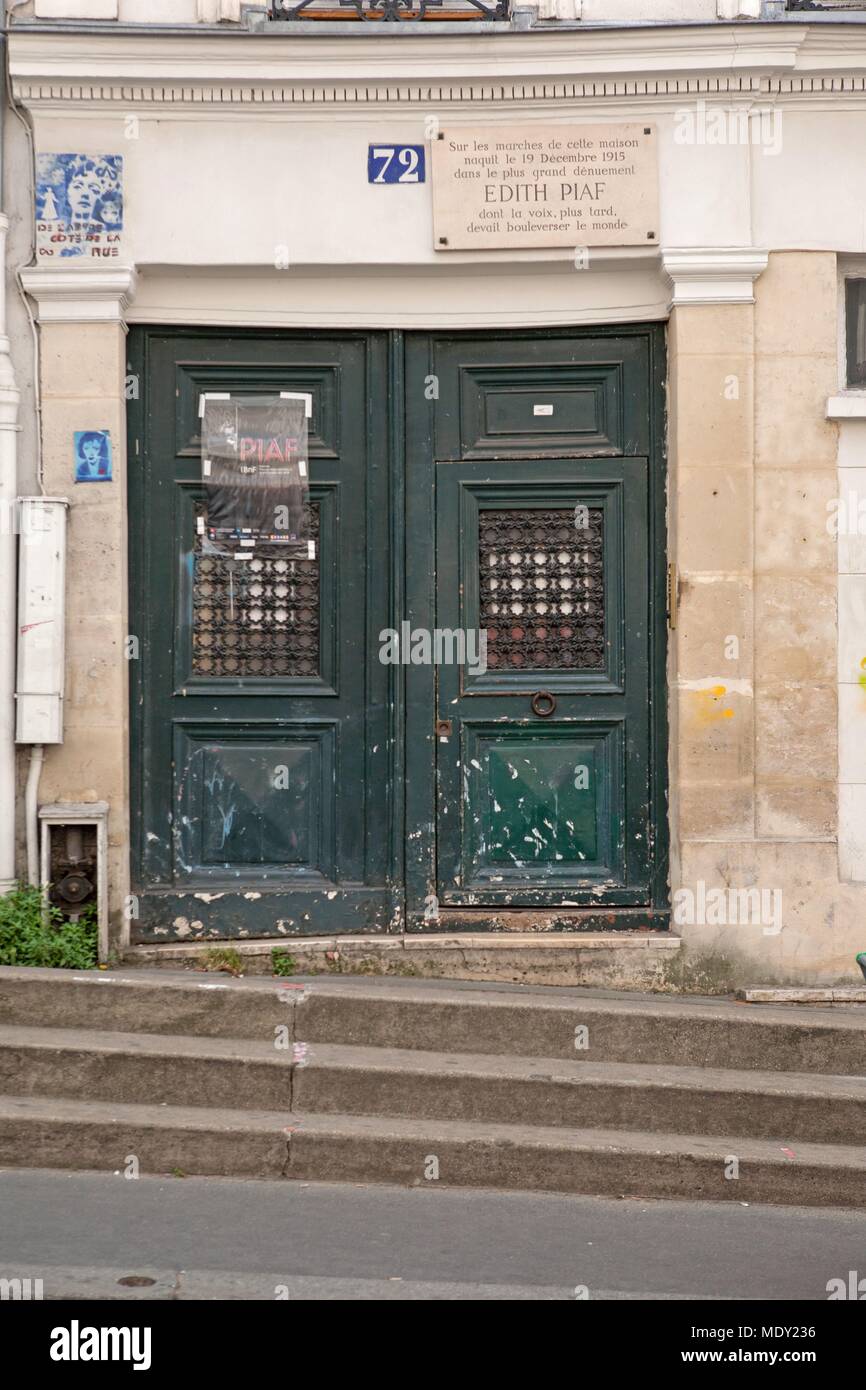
column 855, row 306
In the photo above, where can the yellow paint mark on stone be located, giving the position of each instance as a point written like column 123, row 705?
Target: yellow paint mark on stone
column 707, row 705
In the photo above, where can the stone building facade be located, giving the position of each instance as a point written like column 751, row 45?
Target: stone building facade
column 726, row 833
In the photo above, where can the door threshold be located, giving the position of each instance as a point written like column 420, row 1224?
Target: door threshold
column 544, row 920
column 635, row 960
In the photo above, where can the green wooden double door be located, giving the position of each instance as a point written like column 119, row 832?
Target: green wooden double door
column 324, row 745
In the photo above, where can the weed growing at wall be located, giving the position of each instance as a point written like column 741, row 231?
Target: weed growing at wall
column 222, row 958
column 32, row 935
column 282, row 963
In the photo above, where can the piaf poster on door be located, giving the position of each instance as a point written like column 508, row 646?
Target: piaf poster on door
column 255, row 474
column 505, row 187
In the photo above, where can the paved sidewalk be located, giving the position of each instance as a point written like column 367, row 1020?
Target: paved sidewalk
column 215, row 1238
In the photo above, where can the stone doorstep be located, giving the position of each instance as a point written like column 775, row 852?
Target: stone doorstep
column 840, row 995
column 421, row 942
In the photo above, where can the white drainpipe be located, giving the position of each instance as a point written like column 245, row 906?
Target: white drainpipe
column 31, row 813
column 9, row 399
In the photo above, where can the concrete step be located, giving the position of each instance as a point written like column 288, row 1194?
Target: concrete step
column 58, row 1133
column 446, row 1016
column 197, row 1004
column 594, row 1162
column 790, row 1106
column 143, row 1067
column 245, row 1074
column 583, row 1026
column 55, row 1132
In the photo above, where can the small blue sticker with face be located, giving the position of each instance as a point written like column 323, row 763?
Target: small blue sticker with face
column 92, row 456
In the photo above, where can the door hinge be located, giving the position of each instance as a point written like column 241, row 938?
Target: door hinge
column 673, row 596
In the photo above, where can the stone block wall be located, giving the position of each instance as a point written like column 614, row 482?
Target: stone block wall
column 754, row 764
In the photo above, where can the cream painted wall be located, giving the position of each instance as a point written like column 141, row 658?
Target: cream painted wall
column 76, row 9
column 17, row 200
column 159, row 11
column 514, row 294
column 210, row 11
column 242, row 187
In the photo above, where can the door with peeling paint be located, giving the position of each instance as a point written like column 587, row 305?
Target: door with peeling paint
column 260, row 713
column 544, row 469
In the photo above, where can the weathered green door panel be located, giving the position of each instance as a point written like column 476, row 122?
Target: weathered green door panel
column 559, row 805
column 544, row 569
column 256, row 801
column 543, row 797
column 420, row 608
column 556, row 394
column 262, row 788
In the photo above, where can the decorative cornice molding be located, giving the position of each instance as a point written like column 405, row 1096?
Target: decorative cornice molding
column 260, row 99
column 80, row 294
column 654, row 65
column 713, row 275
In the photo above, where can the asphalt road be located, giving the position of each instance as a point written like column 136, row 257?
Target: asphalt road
column 206, row 1238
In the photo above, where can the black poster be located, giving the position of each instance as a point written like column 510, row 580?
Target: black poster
column 254, row 467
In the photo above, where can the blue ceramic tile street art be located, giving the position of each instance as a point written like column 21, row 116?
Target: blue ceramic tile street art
column 79, row 205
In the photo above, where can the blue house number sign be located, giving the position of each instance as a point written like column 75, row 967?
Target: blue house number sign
column 395, row 164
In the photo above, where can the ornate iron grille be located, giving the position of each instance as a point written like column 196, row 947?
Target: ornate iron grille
column 542, row 589
column 256, row 617
column 388, row 11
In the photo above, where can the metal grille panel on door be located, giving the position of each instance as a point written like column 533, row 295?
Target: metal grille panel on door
column 542, row 589
column 256, row 619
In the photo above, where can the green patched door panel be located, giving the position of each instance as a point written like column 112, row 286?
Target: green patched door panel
column 542, row 456
column 557, row 394
column 260, row 712
column 541, row 797
column 544, row 785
